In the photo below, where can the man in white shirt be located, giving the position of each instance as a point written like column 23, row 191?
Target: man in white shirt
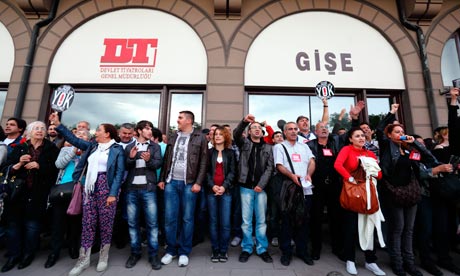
column 303, row 163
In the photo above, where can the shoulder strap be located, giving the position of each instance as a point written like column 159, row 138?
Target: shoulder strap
column 288, row 158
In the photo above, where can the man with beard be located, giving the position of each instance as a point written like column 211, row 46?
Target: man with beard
column 255, row 169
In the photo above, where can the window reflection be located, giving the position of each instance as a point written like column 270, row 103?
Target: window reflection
column 450, row 61
column 185, row 101
column 2, row 100
column 377, row 108
column 335, row 106
column 275, row 107
column 272, row 108
column 113, row 108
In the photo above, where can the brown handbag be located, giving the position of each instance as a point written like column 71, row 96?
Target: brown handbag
column 354, row 197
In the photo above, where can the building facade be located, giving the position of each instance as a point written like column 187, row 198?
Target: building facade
column 148, row 59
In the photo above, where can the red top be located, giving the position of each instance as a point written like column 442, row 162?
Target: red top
column 268, row 138
column 347, row 160
column 219, row 174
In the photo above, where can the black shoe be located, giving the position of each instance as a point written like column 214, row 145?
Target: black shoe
column 412, row 270
column 74, row 253
column 51, row 261
column 308, row 260
column 223, row 257
column 215, row 256
column 132, row 260
column 26, row 261
column 451, row 267
column 432, row 269
column 340, row 255
column 244, row 256
column 266, row 257
column 155, row 262
column 285, row 260
column 315, row 257
column 398, row 271
column 12, row 261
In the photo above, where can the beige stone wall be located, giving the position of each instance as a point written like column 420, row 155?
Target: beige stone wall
column 227, row 43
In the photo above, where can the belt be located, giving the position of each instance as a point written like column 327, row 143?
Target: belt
column 138, row 186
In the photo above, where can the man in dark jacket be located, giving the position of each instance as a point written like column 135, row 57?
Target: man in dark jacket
column 184, row 170
column 143, row 159
column 255, row 169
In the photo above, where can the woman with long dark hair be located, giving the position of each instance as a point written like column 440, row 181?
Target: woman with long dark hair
column 101, row 169
column 346, row 163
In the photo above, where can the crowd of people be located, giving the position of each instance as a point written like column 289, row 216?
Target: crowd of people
column 254, row 186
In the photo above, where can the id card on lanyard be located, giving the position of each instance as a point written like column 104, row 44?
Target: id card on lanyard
column 327, row 152
column 296, row 157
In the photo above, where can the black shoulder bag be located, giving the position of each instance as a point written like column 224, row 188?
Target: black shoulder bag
column 292, row 198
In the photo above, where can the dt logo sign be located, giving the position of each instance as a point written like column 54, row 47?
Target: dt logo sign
column 129, row 52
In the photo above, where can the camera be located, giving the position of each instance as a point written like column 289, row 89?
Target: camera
column 456, row 83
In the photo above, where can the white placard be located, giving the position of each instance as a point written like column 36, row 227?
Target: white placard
column 139, row 46
column 301, row 49
column 6, row 54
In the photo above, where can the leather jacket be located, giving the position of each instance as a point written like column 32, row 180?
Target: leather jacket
column 229, row 165
column 197, row 158
column 266, row 157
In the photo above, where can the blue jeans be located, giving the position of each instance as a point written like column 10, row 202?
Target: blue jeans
column 179, row 200
column 219, row 221
column 137, row 200
column 254, row 203
column 22, row 237
column 400, row 234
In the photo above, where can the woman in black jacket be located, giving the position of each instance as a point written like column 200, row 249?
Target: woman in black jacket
column 31, row 160
column 221, row 172
column 404, row 162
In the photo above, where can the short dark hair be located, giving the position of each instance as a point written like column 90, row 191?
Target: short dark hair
column 276, row 132
column 20, row 122
column 156, row 133
column 364, row 123
column 189, row 114
column 142, row 124
column 300, row 118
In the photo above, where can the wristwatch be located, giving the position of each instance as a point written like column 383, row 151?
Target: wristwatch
column 351, row 179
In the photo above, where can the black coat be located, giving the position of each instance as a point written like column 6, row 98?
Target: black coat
column 32, row 202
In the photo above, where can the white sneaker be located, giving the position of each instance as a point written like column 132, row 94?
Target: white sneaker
column 183, row 261
column 236, row 241
column 167, row 259
column 351, row 268
column 275, row 242
column 374, row 268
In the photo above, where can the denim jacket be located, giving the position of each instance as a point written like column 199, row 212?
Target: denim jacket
column 115, row 167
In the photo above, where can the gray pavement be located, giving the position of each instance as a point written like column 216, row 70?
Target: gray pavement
column 201, row 265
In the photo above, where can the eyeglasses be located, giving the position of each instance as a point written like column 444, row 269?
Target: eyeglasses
column 256, row 127
column 39, row 128
column 292, row 129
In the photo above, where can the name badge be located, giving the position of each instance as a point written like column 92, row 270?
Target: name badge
column 327, row 152
column 296, row 157
column 415, row 156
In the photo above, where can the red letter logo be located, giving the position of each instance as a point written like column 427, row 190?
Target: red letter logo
column 132, row 52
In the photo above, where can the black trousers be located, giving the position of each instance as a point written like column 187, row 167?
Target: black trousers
column 350, row 238
column 64, row 225
column 326, row 195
